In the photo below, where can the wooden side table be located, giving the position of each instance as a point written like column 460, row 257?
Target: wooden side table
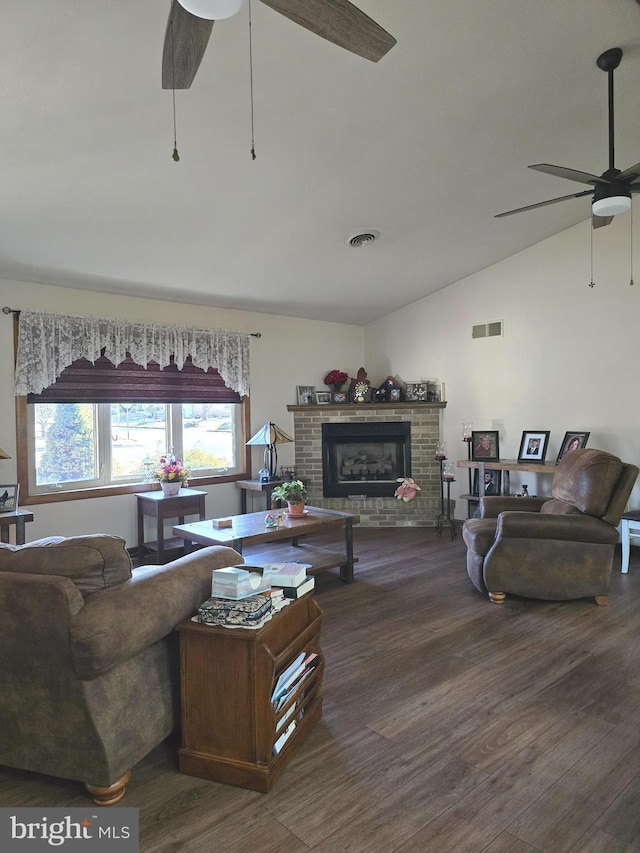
column 17, row 518
column 256, row 486
column 158, row 506
column 229, row 724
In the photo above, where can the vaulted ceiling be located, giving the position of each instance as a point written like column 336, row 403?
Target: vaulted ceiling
column 424, row 147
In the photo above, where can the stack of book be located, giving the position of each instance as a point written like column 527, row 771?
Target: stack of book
column 291, row 578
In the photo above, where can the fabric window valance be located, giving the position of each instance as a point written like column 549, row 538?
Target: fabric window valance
column 49, row 343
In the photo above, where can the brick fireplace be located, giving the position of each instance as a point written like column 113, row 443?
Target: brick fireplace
column 374, row 510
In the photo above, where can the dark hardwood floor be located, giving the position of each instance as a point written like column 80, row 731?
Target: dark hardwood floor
column 450, row 724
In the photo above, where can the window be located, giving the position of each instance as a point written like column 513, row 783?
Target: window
column 89, row 445
column 90, row 425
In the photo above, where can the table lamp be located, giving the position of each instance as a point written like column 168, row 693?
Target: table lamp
column 269, row 436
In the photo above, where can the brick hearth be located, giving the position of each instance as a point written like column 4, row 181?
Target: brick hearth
column 374, row 511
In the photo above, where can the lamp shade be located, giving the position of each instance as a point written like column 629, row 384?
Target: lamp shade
column 212, row 10
column 4, row 454
column 268, row 436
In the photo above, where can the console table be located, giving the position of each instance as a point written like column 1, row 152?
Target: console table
column 506, row 466
column 17, row 518
column 158, row 506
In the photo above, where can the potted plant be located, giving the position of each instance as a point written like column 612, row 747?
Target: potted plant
column 171, row 474
column 295, row 493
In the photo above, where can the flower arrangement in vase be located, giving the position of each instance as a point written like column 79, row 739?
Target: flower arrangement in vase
column 295, row 493
column 171, row 474
column 335, row 379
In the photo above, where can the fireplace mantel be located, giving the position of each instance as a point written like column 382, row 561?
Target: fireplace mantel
column 425, row 419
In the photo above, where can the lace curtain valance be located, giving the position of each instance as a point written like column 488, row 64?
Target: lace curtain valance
column 47, row 343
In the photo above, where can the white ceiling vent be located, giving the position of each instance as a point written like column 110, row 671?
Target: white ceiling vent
column 363, row 238
column 488, row 330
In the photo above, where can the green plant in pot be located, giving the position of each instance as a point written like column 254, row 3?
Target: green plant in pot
column 295, row 493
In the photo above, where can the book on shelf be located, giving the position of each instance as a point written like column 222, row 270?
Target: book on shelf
column 284, row 676
column 293, row 681
column 286, row 574
column 298, row 591
column 284, row 737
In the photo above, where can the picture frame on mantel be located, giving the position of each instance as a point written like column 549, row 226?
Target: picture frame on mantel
column 306, row 395
column 338, row 396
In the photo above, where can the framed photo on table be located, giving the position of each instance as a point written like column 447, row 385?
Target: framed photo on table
column 9, row 497
column 492, row 482
column 533, row 446
column 485, row 445
column 571, row 441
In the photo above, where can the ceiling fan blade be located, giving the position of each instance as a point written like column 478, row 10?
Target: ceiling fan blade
column 631, row 174
column 543, row 203
column 340, row 22
column 570, row 174
column 600, row 221
column 185, row 42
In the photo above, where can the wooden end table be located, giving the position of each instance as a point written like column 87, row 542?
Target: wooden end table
column 158, row 506
column 227, row 675
column 17, row 518
column 256, row 486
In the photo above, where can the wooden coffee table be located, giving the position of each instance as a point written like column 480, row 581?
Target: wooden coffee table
column 249, row 529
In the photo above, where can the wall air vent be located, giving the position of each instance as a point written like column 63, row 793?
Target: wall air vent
column 488, row 330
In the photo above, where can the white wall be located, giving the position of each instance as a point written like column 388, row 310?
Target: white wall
column 568, row 359
column 290, row 352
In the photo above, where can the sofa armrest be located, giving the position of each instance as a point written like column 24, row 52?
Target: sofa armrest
column 37, row 611
column 492, row 505
column 569, row 528
column 116, row 623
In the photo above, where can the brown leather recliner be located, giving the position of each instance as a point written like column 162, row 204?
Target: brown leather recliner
column 553, row 548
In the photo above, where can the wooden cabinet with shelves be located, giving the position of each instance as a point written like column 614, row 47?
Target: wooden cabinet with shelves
column 229, row 725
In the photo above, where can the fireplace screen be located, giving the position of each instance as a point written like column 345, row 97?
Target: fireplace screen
column 364, row 458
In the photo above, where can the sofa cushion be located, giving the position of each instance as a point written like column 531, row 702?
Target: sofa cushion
column 92, row 562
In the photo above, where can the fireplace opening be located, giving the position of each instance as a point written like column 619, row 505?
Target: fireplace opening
column 364, row 458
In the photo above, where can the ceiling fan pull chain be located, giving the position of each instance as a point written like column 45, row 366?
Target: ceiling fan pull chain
column 592, row 282
column 631, row 281
column 253, row 143
column 175, row 154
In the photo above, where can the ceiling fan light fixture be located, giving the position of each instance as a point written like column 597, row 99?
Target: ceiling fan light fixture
column 212, row 10
column 612, row 205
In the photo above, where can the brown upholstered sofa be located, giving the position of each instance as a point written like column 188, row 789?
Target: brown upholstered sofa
column 557, row 548
column 89, row 670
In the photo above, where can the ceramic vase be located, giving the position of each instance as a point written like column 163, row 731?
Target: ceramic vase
column 295, row 510
column 171, row 489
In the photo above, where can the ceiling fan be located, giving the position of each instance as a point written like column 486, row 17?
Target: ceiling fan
column 191, row 21
column 612, row 190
